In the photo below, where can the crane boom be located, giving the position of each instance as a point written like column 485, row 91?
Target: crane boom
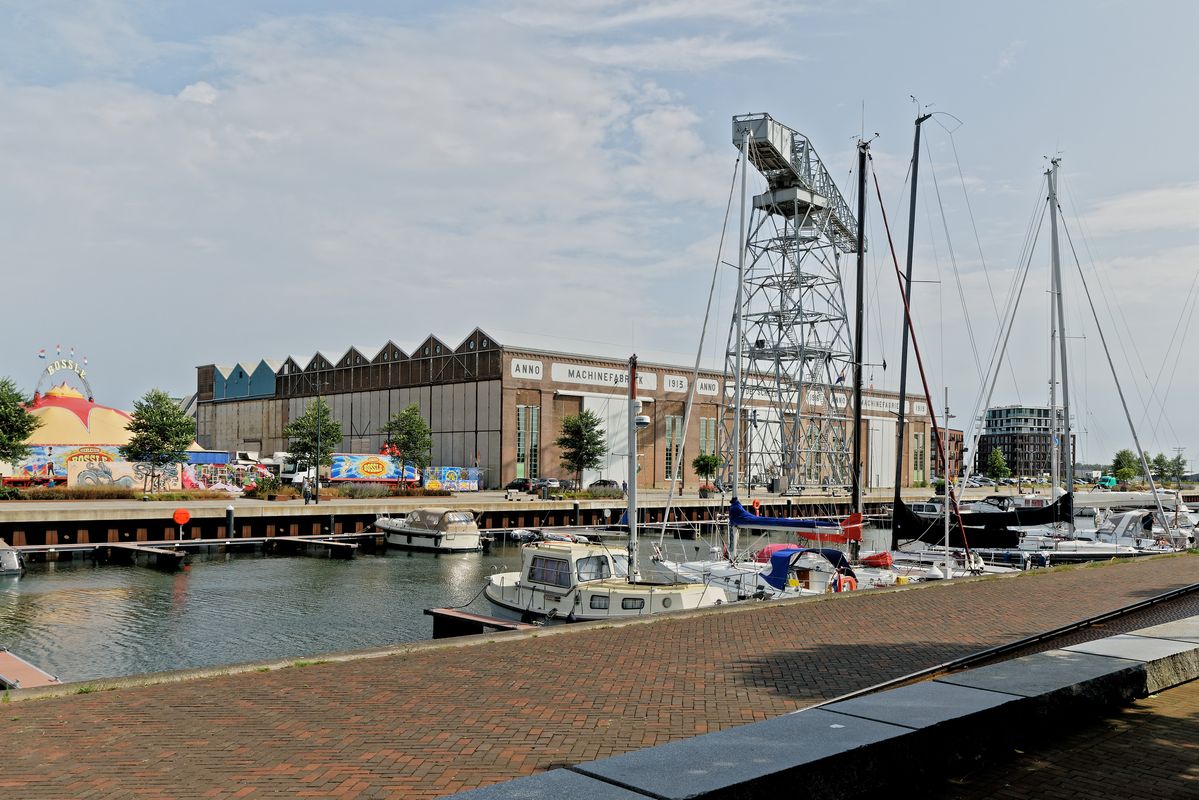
column 796, row 176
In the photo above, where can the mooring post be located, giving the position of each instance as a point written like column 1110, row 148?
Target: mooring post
column 229, row 522
column 578, row 514
column 332, row 529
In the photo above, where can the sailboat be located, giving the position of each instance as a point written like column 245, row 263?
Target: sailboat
column 577, row 580
column 1025, row 529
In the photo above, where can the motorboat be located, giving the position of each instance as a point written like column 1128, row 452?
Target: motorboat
column 11, row 562
column 572, row 576
column 577, row 581
column 440, row 530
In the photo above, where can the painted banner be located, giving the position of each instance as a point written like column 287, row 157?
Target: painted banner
column 51, row 461
column 358, row 467
column 453, row 479
column 128, row 474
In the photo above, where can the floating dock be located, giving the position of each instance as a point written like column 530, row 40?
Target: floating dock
column 17, row 673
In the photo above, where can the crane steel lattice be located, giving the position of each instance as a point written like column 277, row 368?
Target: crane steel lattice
column 795, row 346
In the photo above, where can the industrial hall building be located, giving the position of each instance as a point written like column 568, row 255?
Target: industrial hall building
column 500, row 407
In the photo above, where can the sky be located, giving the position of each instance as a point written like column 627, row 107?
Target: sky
column 195, row 183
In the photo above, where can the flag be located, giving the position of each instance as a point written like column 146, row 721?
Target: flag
column 41, row 353
column 840, row 378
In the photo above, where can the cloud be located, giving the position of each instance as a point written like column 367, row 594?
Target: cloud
column 602, row 15
column 1006, row 59
column 1166, row 208
column 692, row 54
column 339, row 178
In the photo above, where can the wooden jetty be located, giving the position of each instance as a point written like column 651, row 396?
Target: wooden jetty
column 17, row 673
column 448, row 622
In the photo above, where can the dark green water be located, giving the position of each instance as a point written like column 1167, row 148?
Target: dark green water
column 80, row 621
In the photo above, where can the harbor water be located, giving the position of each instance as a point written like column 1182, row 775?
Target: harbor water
column 81, row 621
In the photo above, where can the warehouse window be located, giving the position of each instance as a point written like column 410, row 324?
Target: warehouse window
column 674, row 441
column 526, row 441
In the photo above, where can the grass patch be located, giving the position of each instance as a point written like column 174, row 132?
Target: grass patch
column 86, row 690
column 309, row 663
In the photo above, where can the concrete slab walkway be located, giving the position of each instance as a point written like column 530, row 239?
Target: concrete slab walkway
column 439, row 719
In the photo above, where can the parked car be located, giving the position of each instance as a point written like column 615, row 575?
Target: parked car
column 603, row 483
column 545, row 483
column 568, row 484
column 519, row 484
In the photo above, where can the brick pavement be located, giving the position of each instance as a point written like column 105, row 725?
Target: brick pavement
column 1149, row 751
column 437, row 720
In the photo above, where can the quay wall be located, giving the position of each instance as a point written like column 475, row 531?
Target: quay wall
column 72, row 524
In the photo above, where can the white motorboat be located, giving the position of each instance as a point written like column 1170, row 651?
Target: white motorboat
column 11, row 562
column 576, row 581
column 440, row 530
column 568, row 577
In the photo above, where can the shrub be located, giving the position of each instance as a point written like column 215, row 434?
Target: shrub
column 420, row 491
column 360, row 491
column 601, row 492
column 10, row 493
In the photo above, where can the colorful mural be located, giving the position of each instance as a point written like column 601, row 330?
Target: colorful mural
column 358, row 467
column 52, row 461
column 453, row 479
column 131, row 475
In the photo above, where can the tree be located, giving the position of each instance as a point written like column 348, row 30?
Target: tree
column 582, row 443
column 997, row 468
column 1160, row 466
column 302, row 433
column 161, row 434
column 1125, row 466
column 16, row 423
column 409, row 438
column 1178, row 468
column 705, row 465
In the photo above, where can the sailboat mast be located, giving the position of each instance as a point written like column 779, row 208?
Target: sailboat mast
column 859, row 315
column 634, row 572
column 1066, row 451
column 740, row 317
column 907, row 294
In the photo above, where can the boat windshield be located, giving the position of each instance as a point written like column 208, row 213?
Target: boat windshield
column 620, row 565
column 459, row 517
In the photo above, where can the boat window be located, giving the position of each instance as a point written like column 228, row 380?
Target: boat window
column 459, row 517
column 599, row 601
column 592, row 568
column 554, row 571
column 632, row 603
column 620, row 565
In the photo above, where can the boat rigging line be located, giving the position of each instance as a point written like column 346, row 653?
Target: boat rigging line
column 703, row 337
column 942, row 438
column 1119, row 389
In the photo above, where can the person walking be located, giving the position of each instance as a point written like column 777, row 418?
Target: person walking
column 307, row 491
column 624, row 488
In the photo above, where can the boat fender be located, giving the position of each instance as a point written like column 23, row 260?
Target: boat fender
column 757, row 504
column 845, row 583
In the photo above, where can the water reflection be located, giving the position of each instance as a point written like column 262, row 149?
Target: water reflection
column 81, row 621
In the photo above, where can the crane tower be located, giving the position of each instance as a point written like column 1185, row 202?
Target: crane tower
column 795, row 349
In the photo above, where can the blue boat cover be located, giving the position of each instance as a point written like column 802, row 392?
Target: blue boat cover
column 780, row 563
column 741, row 518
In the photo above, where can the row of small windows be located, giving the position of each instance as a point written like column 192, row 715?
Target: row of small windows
column 394, row 355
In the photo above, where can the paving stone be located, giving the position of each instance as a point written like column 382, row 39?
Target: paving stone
column 553, row 785
column 922, row 705
column 823, row 752
column 1184, row 629
column 1168, row 662
column 1044, row 673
